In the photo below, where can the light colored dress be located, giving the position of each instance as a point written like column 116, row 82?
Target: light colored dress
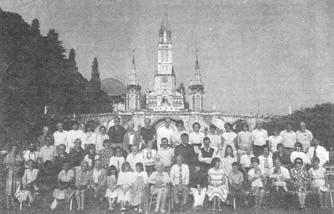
column 138, row 190
column 226, row 164
column 125, row 180
column 318, row 179
column 13, row 164
column 65, row 191
column 29, row 177
column 221, row 190
column 111, row 191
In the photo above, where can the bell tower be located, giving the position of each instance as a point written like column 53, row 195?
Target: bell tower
column 196, row 89
column 133, row 90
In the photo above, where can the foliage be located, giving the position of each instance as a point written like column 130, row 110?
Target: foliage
column 319, row 119
column 34, row 72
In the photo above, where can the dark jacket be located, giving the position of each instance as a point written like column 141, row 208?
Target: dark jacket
column 116, row 135
column 198, row 178
column 77, row 156
column 188, row 154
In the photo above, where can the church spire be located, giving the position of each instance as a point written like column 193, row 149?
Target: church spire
column 165, row 32
column 198, row 79
column 133, row 77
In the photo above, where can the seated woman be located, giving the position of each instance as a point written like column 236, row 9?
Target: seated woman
column 112, row 190
column 65, row 186
column 299, row 153
column 198, row 184
column 319, row 181
column 139, row 188
column 160, row 180
column 28, row 186
column 218, row 184
column 83, row 177
column 256, row 178
column 124, row 182
column 236, row 182
column 299, row 181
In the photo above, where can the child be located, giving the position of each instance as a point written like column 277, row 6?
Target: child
column 118, row 159
column 139, row 187
column 28, row 184
column 319, row 181
column 245, row 163
column 124, row 182
column 198, row 184
column 279, row 180
column 111, row 193
column 236, row 181
column 255, row 176
column 83, row 177
column 91, row 157
column 159, row 180
column 149, row 157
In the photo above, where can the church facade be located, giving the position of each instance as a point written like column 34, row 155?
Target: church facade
column 165, row 100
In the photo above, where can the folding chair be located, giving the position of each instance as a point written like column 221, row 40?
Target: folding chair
column 152, row 199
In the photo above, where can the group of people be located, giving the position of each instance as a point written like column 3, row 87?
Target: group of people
column 126, row 167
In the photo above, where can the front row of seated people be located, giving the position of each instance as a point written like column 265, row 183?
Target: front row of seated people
column 129, row 187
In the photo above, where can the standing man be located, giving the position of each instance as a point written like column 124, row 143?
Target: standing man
column 176, row 137
column 73, row 135
column 60, row 136
column 304, row 136
column 289, row 139
column 48, row 152
column 316, row 150
column 166, row 131
column 259, row 138
column 186, row 150
column 116, row 133
column 148, row 133
column 244, row 141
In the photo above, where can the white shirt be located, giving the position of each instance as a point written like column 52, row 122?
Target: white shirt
column 305, row 138
column 117, row 162
column 100, row 138
column 135, row 158
column 72, row 136
column 47, row 153
column 164, row 132
column 28, row 155
column 245, row 160
column 60, row 138
column 289, row 139
column 322, row 154
column 178, row 178
column 165, row 156
column 229, row 138
column 301, row 155
column 196, row 138
column 215, row 139
column 176, row 137
column 274, row 140
column 90, row 138
column 149, row 156
column 96, row 175
column 90, row 161
column 260, row 137
column 266, row 163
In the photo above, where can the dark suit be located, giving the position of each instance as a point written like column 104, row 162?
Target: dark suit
column 188, row 154
column 116, row 135
column 206, row 153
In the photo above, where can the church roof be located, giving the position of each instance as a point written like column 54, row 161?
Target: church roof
column 113, row 87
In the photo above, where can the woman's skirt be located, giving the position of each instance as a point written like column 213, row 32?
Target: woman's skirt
column 63, row 194
column 123, row 195
column 219, row 191
column 320, row 185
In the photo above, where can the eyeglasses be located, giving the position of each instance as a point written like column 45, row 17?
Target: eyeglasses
column 298, row 162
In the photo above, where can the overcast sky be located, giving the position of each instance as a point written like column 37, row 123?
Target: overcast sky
column 274, row 53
